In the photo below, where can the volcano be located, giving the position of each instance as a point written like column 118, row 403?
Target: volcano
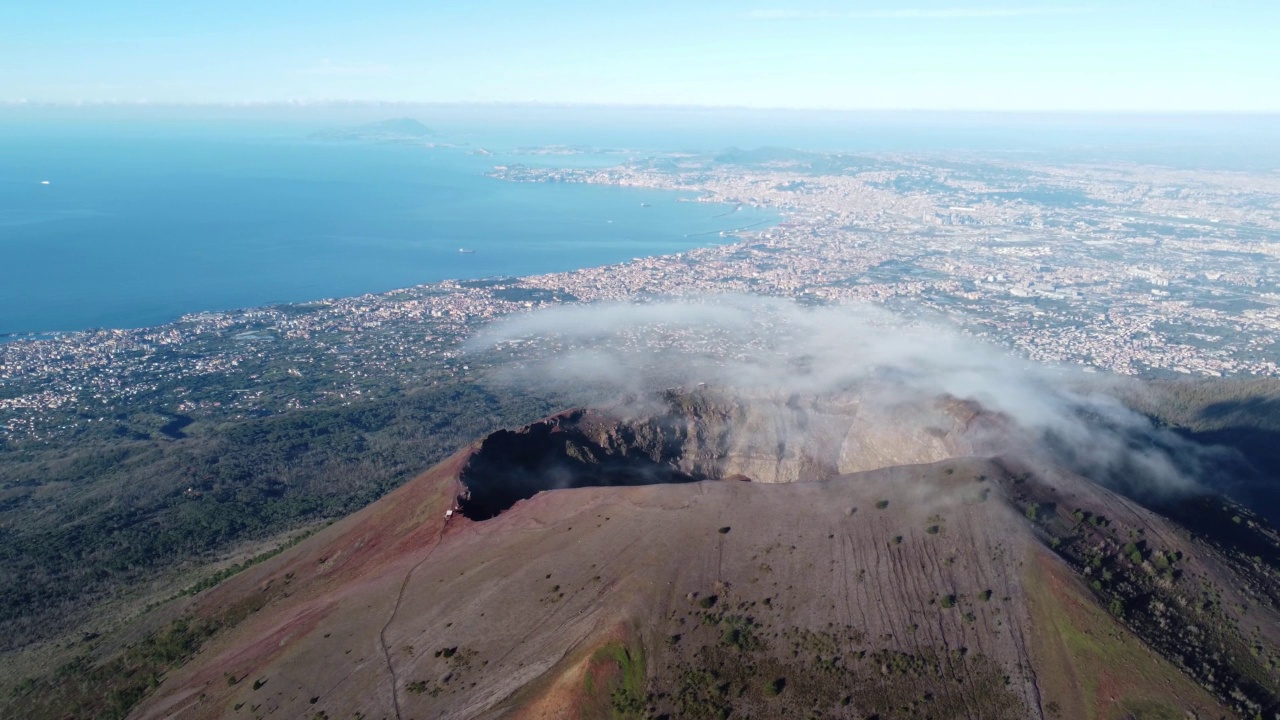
column 706, row 556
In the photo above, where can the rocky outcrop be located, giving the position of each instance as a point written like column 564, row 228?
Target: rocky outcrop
column 706, row 435
column 570, row 450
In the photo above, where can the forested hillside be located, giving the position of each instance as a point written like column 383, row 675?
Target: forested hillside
column 82, row 522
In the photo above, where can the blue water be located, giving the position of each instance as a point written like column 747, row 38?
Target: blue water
column 140, row 225
column 153, row 213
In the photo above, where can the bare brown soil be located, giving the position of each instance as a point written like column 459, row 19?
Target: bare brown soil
column 947, row 589
column 513, row 601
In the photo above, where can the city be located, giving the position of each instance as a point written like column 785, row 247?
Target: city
column 1127, row 269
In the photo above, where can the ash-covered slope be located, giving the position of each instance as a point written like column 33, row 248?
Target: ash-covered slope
column 901, row 578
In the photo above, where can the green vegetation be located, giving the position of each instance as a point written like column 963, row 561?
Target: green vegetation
column 1240, row 413
column 87, row 687
column 625, row 681
column 1095, row 669
column 1134, row 553
column 830, row 673
column 84, row 521
column 217, row 577
column 739, row 632
column 1142, row 586
column 1116, row 607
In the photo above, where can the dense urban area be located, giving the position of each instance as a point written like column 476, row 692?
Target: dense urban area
column 1132, row 269
column 140, row 467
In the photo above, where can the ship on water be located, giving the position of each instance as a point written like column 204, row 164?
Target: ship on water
column 465, row 251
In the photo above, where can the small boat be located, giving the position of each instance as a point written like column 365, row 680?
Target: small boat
column 465, row 251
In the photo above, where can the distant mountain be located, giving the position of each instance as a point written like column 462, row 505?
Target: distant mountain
column 395, row 130
column 798, row 159
column 714, row 556
column 762, row 156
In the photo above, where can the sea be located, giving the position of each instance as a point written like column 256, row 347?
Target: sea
column 128, row 218
column 136, row 230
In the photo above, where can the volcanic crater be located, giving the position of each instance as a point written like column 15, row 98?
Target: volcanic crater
column 883, row 562
column 691, row 437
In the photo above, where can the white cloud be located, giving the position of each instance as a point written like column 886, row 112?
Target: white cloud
column 596, row 354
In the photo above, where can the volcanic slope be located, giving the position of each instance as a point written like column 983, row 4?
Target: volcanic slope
column 965, row 587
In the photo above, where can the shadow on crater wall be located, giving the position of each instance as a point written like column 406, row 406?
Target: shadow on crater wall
column 514, row 465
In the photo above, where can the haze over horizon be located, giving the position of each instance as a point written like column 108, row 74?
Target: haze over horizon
column 697, row 360
column 1137, row 56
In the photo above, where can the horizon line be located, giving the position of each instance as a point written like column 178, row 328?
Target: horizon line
column 298, row 104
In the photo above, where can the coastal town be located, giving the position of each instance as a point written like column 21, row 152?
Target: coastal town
column 1127, row 269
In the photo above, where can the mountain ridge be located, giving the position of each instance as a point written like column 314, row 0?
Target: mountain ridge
column 401, row 608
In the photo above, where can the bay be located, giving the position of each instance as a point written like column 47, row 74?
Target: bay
column 137, row 227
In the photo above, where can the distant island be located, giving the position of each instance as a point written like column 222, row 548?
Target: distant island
column 398, row 130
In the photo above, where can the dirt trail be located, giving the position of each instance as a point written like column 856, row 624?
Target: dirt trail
column 382, row 634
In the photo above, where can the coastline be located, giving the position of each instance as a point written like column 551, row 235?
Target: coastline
column 249, row 223
column 961, row 252
column 117, row 367
column 428, row 287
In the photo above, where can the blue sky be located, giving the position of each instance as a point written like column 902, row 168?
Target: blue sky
column 1037, row 55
